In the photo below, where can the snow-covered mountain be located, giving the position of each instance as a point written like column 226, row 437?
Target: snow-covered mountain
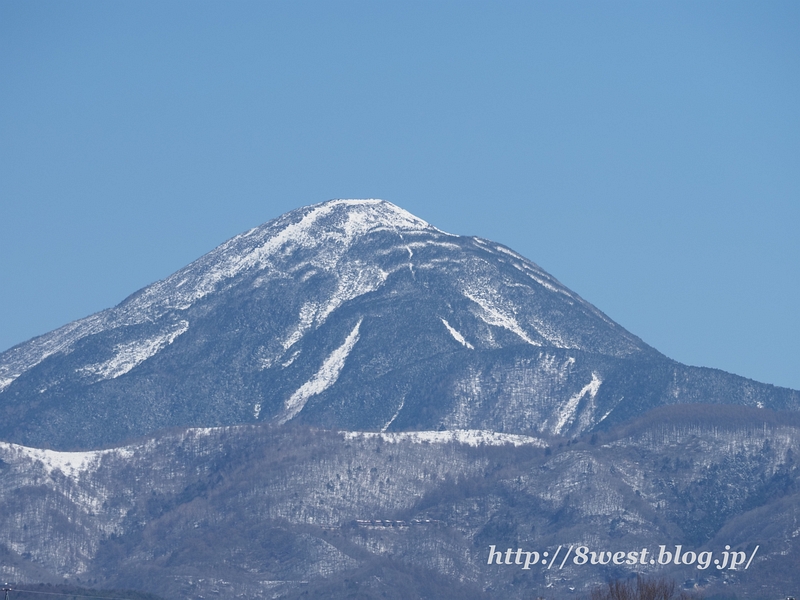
column 351, row 314
column 348, row 401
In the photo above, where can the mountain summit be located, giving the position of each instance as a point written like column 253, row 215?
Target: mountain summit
column 408, row 405
column 350, row 314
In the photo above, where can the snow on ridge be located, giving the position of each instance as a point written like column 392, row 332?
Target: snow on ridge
column 75, row 463
column 471, row 437
column 529, row 268
column 254, row 248
column 333, row 226
column 230, row 259
column 456, row 335
column 433, row 244
column 545, row 330
column 392, row 217
column 26, row 356
column 131, row 354
column 541, row 281
column 325, row 377
column 70, row 464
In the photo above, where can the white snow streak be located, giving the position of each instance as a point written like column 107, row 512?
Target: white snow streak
column 291, row 359
column 610, row 410
column 458, row 337
column 399, row 408
column 492, row 315
column 130, row 354
column 433, row 244
column 307, row 313
column 471, row 437
column 324, row 378
column 567, row 414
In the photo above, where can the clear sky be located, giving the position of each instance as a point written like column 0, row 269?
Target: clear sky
column 647, row 154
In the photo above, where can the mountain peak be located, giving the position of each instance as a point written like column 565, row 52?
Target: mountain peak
column 352, row 314
column 317, row 236
column 338, row 221
column 359, row 216
column 320, row 233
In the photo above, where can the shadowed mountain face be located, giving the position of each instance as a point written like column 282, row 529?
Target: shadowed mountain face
column 350, row 314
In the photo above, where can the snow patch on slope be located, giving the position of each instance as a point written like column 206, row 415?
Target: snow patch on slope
column 433, row 244
column 567, row 414
column 306, row 318
column 324, row 378
column 395, row 415
column 493, row 314
column 356, row 280
column 70, row 464
column 75, row 464
column 547, row 281
column 471, row 437
column 131, row 354
column 456, row 335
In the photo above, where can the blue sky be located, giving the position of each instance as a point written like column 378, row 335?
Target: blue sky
column 646, row 154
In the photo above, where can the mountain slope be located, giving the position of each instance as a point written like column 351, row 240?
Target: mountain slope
column 348, row 401
column 352, row 314
column 268, row 511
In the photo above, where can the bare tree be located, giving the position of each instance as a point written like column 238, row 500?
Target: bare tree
column 640, row 589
